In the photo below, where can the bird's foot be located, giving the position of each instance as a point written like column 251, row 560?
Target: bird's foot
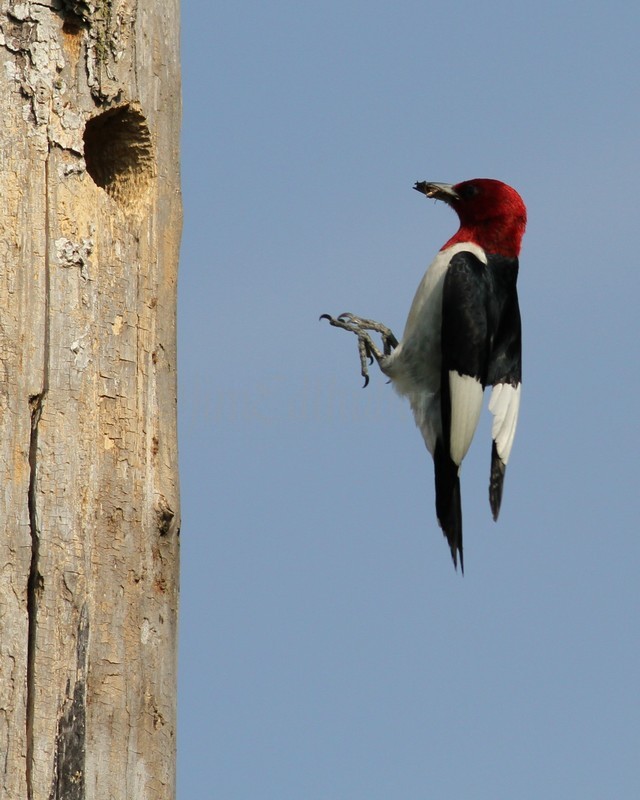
column 366, row 346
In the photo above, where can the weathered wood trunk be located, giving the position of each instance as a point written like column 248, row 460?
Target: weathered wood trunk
column 90, row 218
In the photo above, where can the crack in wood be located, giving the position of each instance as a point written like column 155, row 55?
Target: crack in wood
column 35, row 582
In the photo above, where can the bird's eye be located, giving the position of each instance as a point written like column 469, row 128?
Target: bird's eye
column 468, row 191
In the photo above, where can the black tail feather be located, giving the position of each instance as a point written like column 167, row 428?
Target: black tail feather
column 496, row 481
column 448, row 503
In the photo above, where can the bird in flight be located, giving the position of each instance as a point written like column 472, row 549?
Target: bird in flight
column 462, row 335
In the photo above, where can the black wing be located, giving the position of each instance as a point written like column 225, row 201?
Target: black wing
column 505, row 370
column 466, row 328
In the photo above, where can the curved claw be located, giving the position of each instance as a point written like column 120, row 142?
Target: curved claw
column 366, row 382
column 325, row 316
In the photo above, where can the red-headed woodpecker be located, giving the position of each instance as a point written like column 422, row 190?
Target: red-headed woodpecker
column 462, row 334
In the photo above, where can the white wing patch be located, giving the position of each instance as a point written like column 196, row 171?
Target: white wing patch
column 504, row 405
column 466, row 404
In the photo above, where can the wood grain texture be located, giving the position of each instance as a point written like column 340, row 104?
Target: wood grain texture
column 89, row 506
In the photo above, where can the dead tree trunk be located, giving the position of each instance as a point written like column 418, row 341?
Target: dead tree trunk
column 90, row 218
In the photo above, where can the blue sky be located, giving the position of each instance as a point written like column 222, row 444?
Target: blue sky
column 329, row 651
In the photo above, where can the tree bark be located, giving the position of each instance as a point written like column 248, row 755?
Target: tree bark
column 90, row 221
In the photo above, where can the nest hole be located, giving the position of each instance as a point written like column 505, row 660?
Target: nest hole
column 72, row 25
column 119, row 154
